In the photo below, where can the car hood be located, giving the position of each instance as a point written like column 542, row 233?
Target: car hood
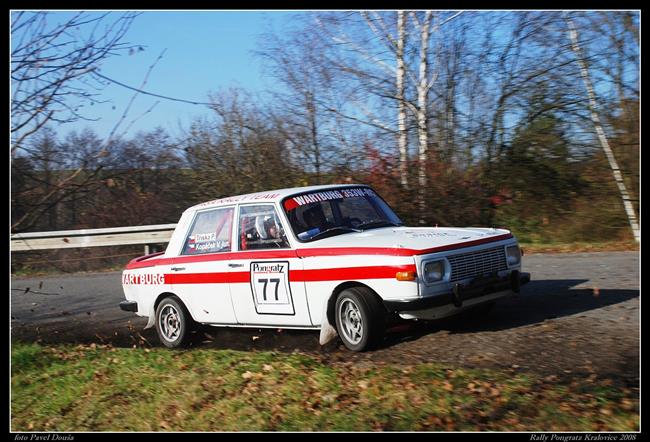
column 411, row 238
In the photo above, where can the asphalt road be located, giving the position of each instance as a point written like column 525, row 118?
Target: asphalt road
column 578, row 316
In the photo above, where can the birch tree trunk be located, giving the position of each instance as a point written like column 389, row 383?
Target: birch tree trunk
column 584, row 72
column 423, row 96
column 402, row 130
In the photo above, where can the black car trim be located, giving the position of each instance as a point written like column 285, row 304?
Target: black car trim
column 129, row 306
column 461, row 292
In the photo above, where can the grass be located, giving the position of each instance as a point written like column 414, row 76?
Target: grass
column 100, row 388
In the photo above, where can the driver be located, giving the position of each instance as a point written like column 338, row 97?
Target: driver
column 271, row 228
column 315, row 218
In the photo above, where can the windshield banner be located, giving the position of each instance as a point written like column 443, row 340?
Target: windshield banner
column 315, row 197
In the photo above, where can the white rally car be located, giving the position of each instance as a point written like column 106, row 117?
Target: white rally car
column 334, row 258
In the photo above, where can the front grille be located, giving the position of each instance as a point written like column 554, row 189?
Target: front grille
column 482, row 262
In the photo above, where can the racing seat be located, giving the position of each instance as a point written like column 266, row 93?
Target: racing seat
column 259, row 227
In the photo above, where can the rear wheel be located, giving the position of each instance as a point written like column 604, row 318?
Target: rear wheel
column 173, row 323
column 360, row 319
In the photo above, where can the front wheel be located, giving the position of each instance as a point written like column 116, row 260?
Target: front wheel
column 360, row 319
column 173, row 323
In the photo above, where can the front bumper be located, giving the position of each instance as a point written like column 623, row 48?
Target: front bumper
column 460, row 293
column 129, row 306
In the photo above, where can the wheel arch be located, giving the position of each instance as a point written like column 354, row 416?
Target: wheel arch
column 156, row 303
column 331, row 301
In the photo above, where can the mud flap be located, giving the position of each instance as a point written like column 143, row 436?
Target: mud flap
column 327, row 330
column 152, row 318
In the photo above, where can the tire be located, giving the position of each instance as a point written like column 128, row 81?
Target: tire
column 173, row 323
column 360, row 318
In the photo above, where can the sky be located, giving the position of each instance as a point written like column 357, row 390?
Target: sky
column 204, row 51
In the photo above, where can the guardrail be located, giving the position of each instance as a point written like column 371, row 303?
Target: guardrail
column 115, row 236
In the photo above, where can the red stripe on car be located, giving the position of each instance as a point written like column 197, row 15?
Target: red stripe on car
column 349, row 273
column 313, row 275
column 206, row 278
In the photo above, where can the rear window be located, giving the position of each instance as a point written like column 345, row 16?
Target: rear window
column 210, row 232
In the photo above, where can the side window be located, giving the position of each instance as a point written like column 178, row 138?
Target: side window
column 210, row 232
column 260, row 228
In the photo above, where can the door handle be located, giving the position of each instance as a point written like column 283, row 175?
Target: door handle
column 177, row 269
column 235, row 265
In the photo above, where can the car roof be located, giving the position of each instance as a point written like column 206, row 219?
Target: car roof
column 269, row 195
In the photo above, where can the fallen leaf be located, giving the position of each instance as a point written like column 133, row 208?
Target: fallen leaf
column 267, row 367
column 247, row 375
column 627, row 404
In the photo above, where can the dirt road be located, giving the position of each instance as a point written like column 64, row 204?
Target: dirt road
column 578, row 316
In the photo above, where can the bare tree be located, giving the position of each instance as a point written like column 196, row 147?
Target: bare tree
column 423, row 87
column 50, row 66
column 584, row 72
column 369, row 49
column 295, row 60
column 401, row 98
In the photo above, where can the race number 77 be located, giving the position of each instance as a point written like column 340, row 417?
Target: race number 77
column 272, row 280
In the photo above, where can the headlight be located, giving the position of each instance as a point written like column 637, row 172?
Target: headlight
column 434, row 271
column 513, row 255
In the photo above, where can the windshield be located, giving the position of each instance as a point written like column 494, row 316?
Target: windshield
column 318, row 215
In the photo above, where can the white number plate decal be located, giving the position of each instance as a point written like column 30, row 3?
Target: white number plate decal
column 270, row 286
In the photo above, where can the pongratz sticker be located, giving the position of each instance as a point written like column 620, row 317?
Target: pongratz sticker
column 270, row 287
column 316, row 197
